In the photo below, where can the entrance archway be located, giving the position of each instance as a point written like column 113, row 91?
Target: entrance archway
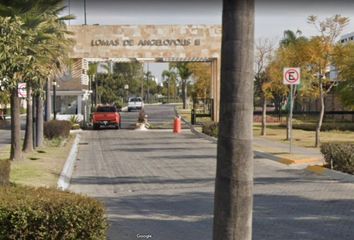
column 154, row 43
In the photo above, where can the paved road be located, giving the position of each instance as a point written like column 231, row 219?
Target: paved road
column 159, row 116
column 5, row 132
column 5, row 138
column 160, row 184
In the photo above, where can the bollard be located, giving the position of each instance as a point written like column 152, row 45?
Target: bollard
column 177, row 125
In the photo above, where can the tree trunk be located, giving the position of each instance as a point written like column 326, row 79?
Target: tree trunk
column 40, row 121
column 48, row 109
column 28, row 142
column 184, row 94
column 234, row 175
column 264, row 115
column 34, row 113
column 320, row 120
column 15, row 153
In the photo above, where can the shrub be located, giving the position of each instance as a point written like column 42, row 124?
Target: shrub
column 339, row 155
column 211, row 129
column 56, row 129
column 4, row 172
column 30, row 213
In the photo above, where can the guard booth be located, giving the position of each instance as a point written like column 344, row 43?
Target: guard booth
column 202, row 107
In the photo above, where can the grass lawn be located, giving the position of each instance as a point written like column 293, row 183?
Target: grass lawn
column 41, row 167
column 303, row 138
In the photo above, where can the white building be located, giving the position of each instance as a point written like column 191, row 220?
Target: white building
column 349, row 37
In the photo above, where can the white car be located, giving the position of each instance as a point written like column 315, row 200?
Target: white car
column 135, row 103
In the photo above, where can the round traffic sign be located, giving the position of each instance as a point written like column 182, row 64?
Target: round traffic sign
column 291, row 75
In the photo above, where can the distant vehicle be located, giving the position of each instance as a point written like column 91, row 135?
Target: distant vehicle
column 135, row 103
column 106, row 115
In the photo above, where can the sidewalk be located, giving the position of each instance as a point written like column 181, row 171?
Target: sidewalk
column 277, row 151
column 280, row 152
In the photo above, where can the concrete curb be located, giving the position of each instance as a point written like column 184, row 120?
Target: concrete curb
column 333, row 174
column 65, row 175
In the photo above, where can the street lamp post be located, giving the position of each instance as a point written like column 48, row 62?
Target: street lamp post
column 126, row 88
column 54, row 99
column 85, row 12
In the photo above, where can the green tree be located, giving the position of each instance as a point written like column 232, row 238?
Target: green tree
column 322, row 50
column 201, row 73
column 14, row 46
column 170, row 83
column 292, row 52
column 184, row 73
column 343, row 59
column 264, row 50
column 234, row 175
column 46, row 50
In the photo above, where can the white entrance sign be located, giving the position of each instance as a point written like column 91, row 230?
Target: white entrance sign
column 291, row 76
column 22, row 91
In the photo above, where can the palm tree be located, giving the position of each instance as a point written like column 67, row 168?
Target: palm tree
column 13, row 62
column 40, row 18
column 234, row 175
column 184, row 73
column 171, row 77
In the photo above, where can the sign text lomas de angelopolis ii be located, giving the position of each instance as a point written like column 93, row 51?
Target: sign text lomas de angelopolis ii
column 144, row 43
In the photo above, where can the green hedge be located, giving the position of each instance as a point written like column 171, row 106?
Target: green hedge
column 56, row 129
column 340, row 155
column 211, row 129
column 4, row 172
column 30, row 213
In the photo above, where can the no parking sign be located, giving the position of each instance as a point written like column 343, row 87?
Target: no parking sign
column 291, row 76
column 22, row 91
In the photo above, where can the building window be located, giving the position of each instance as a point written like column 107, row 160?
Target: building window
column 66, row 104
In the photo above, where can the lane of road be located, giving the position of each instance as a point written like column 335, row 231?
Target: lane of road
column 161, row 185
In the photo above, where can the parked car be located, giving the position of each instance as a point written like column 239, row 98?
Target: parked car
column 135, row 103
column 106, row 115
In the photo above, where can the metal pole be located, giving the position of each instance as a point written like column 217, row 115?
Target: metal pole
column 69, row 8
column 291, row 119
column 147, row 83
column 54, row 100
column 142, row 82
column 85, row 12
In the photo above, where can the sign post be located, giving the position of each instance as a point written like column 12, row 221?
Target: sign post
column 291, row 76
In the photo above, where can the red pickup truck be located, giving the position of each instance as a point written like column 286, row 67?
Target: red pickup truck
column 106, row 115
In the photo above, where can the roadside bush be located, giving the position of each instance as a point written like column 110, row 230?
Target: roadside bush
column 30, row 213
column 56, row 129
column 339, row 155
column 4, row 172
column 211, row 129
column 75, row 122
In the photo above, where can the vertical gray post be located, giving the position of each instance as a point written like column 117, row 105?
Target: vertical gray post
column 54, row 100
column 85, row 12
column 291, row 119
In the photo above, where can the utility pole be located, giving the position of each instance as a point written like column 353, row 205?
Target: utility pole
column 69, row 5
column 85, row 12
column 142, row 82
column 54, row 99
